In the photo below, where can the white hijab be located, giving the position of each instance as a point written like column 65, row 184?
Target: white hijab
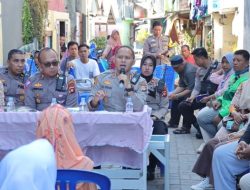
column 30, row 167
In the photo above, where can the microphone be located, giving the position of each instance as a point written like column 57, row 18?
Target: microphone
column 121, row 83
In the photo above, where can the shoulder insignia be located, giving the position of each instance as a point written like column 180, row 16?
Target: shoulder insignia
column 71, row 86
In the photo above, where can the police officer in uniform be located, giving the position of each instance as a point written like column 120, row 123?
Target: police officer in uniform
column 48, row 84
column 13, row 78
column 157, row 45
column 114, row 86
column 157, row 99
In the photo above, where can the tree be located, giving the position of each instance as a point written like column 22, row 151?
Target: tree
column 27, row 24
column 39, row 12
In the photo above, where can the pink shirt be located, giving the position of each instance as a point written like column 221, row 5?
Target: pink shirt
column 190, row 59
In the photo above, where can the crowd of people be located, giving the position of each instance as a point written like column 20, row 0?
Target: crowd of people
column 218, row 91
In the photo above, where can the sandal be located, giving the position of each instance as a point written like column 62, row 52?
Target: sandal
column 181, row 131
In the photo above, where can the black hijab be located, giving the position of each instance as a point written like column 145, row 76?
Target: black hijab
column 148, row 78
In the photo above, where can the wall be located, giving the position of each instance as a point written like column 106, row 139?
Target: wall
column 54, row 18
column 11, row 27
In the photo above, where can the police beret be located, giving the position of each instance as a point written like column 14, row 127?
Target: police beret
column 176, row 60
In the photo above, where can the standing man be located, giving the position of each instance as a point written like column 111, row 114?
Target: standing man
column 186, row 54
column 13, row 78
column 186, row 73
column 109, row 89
column 72, row 54
column 63, row 47
column 83, row 66
column 157, row 45
column 48, row 84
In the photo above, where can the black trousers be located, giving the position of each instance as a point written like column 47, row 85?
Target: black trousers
column 160, row 128
column 175, row 113
column 187, row 111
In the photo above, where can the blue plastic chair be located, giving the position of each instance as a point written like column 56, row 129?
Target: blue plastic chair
column 169, row 76
column 136, row 69
column 68, row 179
column 103, row 65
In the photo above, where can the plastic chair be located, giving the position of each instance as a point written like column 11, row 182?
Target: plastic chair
column 136, row 69
column 68, row 179
column 103, row 65
column 169, row 75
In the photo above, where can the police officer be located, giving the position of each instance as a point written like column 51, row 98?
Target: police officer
column 48, row 84
column 114, row 86
column 13, row 78
column 157, row 45
column 157, row 99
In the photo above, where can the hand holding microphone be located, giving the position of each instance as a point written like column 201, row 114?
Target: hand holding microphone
column 122, row 77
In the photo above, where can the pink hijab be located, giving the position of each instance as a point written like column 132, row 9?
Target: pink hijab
column 56, row 125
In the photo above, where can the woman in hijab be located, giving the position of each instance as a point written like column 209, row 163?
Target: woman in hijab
column 29, row 167
column 239, row 113
column 156, row 99
column 56, row 125
column 113, row 43
column 221, row 77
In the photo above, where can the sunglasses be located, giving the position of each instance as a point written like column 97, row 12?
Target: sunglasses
column 54, row 63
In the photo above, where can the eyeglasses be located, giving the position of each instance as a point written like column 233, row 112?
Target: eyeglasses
column 54, row 63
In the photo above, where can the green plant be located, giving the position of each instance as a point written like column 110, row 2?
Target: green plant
column 100, row 42
column 27, row 23
column 189, row 39
column 39, row 12
column 141, row 36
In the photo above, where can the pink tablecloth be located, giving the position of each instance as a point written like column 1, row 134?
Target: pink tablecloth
column 106, row 137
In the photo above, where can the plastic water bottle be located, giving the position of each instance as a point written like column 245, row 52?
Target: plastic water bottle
column 129, row 105
column 10, row 104
column 53, row 102
column 83, row 105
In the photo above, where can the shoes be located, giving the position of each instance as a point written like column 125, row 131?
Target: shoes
column 150, row 176
column 203, row 185
column 198, row 135
column 181, row 131
column 199, row 150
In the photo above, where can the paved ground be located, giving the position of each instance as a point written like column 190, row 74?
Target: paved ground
column 182, row 158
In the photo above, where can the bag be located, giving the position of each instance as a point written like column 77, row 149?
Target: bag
column 207, row 87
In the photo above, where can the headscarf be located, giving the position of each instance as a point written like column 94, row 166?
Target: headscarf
column 56, row 125
column 112, row 42
column 148, row 78
column 32, row 166
column 229, row 57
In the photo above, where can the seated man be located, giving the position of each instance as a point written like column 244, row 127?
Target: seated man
column 13, row 78
column 32, row 166
column 186, row 73
column 48, row 84
column 114, row 86
column 83, row 66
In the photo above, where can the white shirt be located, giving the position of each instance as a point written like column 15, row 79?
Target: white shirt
column 85, row 70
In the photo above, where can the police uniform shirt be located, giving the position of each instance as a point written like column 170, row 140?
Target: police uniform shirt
column 157, row 101
column 13, row 86
column 116, row 97
column 154, row 46
column 40, row 90
column 187, row 77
